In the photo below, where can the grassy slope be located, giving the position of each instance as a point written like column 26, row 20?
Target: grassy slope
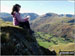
column 48, row 40
column 54, row 20
column 63, row 47
column 56, row 43
column 55, row 25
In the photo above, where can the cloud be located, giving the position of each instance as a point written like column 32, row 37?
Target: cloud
column 71, row 1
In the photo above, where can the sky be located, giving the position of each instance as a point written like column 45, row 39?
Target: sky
column 40, row 7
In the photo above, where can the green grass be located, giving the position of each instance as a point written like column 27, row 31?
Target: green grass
column 5, row 23
column 54, row 41
column 46, row 44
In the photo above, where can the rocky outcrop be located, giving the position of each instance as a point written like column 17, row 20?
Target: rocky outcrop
column 18, row 41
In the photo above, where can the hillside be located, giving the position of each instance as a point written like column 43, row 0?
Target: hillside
column 55, row 32
column 18, row 41
column 60, row 26
column 63, row 47
column 48, row 40
column 53, row 42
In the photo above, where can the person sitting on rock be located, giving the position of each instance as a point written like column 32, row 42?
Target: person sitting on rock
column 18, row 20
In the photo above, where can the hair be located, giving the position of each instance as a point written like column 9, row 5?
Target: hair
column 15, row 8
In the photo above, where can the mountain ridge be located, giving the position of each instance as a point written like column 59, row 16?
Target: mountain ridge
column 7, row 16
column 60, row 26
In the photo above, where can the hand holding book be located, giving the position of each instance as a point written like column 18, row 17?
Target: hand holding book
column 27, row 18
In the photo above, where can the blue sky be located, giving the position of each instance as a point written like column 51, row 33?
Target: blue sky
column 40, row 7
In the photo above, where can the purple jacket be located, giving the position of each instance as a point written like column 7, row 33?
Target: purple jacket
column 17, row 18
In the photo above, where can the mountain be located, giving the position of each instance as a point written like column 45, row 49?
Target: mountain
column 71, row 21
column 49, row 15
column 67, row 15
column 8, row 17
column 52, row 23
column 3, row 14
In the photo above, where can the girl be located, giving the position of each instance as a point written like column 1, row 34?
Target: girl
column 17, row 19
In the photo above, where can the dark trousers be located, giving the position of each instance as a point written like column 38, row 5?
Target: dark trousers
column 24, row 24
